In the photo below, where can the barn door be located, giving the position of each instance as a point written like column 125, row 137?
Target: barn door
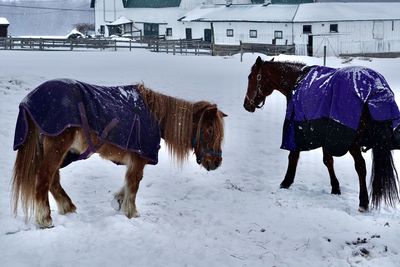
column 207, row 35
column 378, row 30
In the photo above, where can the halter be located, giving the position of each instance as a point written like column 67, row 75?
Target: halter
column 212, row 152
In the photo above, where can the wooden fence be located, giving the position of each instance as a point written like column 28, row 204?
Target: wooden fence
column 155, row 44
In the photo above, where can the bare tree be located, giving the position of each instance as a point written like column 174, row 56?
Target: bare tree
column 84, row 27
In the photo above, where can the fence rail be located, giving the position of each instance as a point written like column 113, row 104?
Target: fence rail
column 155, row 44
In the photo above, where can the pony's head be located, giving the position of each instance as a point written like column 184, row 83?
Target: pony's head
column 260, row 85
column 208, row 133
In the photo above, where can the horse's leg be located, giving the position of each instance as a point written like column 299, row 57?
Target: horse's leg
column 291, row 170
column 54, row 150
column 328, row 161
column 133, row 177
column 359, row 164
column 64, row 203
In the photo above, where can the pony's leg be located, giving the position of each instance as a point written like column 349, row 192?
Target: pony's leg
column 360, row 167
column 291, row 170
column 133, row 177
column 54, row 150
column 328, row 161
column 64, row 203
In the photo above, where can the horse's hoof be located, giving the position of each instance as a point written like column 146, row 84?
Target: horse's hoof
column 284, row 186
column 362, row 209
column 336, row 191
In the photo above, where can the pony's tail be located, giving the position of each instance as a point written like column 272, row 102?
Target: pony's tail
column 384, row 178
column 26, row 167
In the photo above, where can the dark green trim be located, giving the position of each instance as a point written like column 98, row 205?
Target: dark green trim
column 150, row 3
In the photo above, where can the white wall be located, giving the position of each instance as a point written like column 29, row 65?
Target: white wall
column 265, row 32
column 353, row 37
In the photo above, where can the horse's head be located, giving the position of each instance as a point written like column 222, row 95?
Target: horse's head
column 208, row 133
column 260, row 85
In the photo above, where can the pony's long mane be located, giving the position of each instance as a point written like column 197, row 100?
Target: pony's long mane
column 175, row 117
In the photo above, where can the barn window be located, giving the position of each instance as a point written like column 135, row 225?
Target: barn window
column 278, row 34
column 102, row 29
column 229, row 32
column 333, row 28
column 168, row 32
column 307, row 29
column 253, row 33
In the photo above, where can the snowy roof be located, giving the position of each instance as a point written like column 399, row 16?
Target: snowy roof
column 120, row 21
column 311, row 12
column 4, row 21
column 251, row 13
column 347, row 11
column 156, row 15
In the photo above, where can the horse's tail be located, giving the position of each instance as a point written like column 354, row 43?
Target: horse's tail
column 26, row 167
column 384, row 178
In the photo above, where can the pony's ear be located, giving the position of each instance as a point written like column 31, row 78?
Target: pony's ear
column 211, row 111
column 223, row 114
column 272, row 60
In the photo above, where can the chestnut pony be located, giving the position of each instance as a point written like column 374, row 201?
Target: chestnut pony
column 267, row 76
column 185, row 127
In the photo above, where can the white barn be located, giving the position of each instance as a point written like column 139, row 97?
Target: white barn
column 348, row 28
column 153, row 17
column 342, row 27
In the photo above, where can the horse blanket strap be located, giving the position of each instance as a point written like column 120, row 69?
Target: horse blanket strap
column 326, row 107
column 116, row 114
column 86, row 129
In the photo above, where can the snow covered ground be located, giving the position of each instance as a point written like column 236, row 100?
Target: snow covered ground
column 234, row 216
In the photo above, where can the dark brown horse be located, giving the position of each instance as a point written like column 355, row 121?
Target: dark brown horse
column 185, row 127
column 267, row 76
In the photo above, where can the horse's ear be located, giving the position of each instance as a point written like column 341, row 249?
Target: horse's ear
column 272, row 60
column 259, row 61
column 223, row 114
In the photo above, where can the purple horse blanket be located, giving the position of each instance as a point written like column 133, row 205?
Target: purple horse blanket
column 118, row 115
column 326, row 107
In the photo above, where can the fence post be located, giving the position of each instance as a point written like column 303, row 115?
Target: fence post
column 130, row 45
column 241, row 51
column 324, row 55
column 115, row 45
column 71, row 45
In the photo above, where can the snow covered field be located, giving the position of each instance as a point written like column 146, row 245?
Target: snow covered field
column 234, row 216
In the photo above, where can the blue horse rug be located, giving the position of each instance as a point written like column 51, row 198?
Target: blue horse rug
column 326, row 107
column 118, row 115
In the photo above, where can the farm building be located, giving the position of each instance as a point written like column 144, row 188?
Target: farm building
column 3, row 27
column 347, row 28
column 154, row 18
column 344, row 28
column 350, row 27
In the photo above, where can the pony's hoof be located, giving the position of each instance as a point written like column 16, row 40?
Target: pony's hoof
column 46, row 224
column 133, row 214
column 284, row 186
column 362, row 209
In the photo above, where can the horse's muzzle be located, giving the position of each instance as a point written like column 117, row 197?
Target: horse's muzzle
column 247, row 106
